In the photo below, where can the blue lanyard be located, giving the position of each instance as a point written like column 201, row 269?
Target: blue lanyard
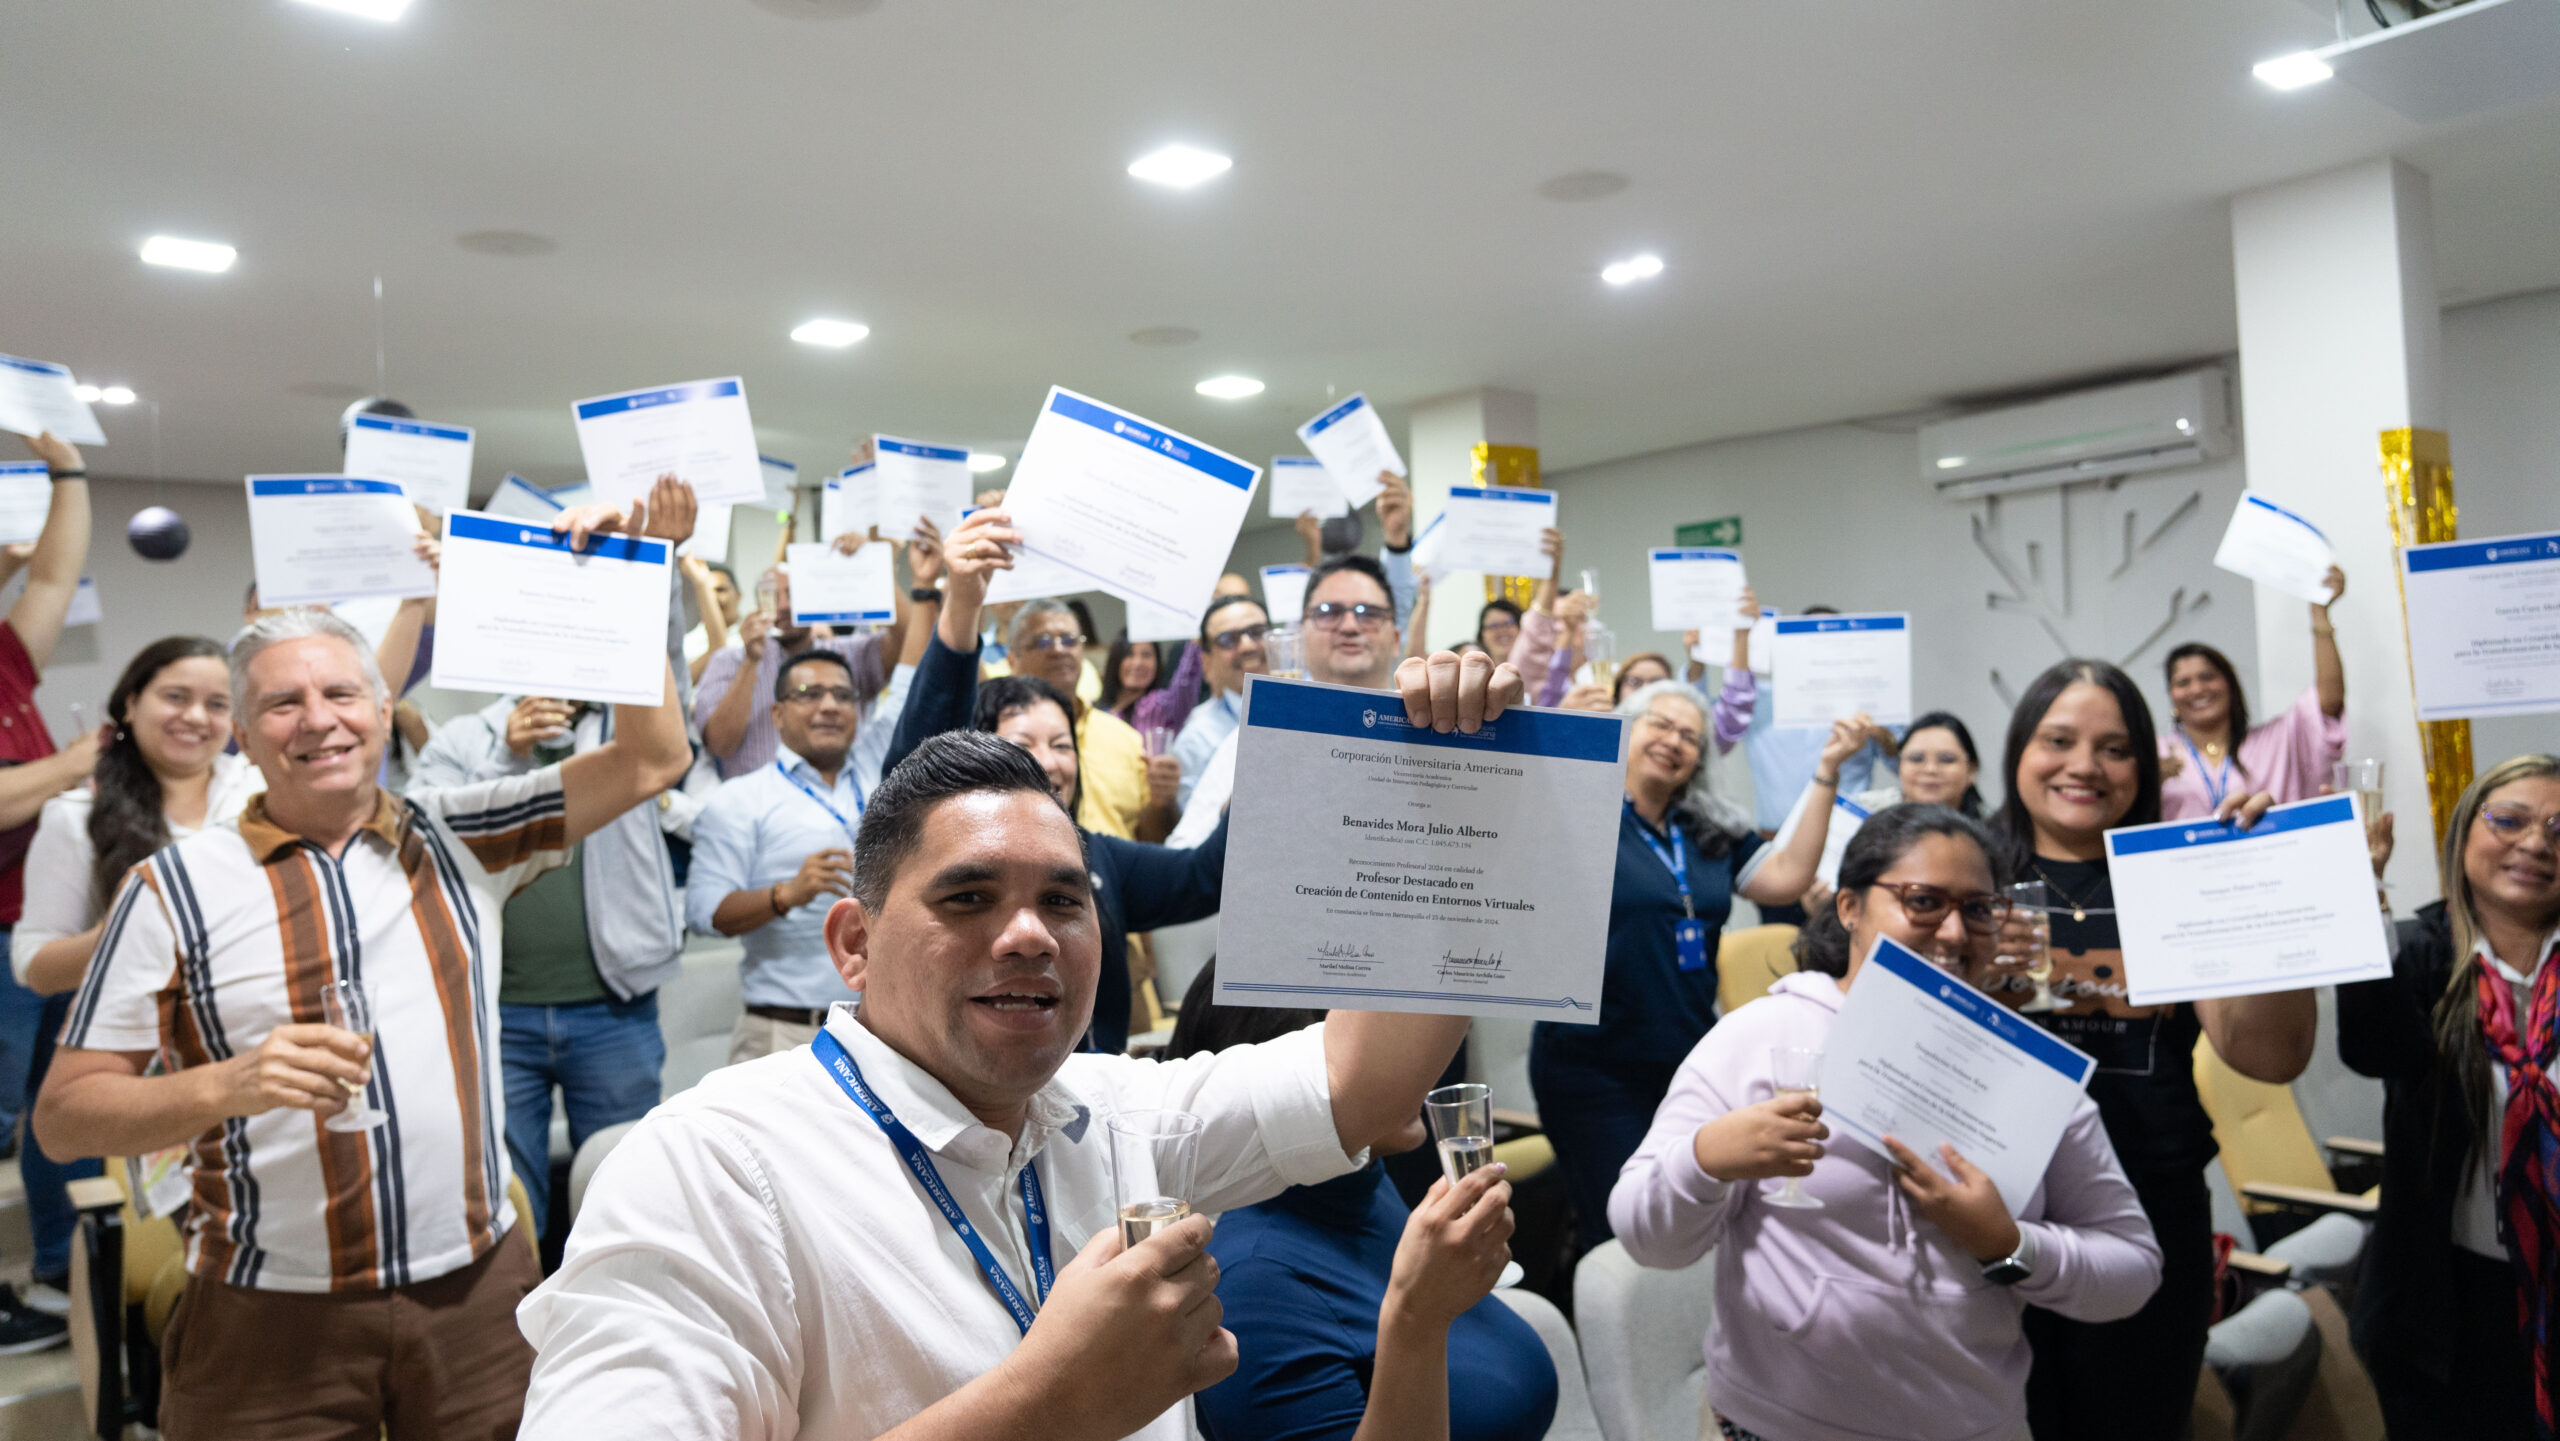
column 919, row 1162
column 2215, row 785
column 851, row 779
column 1673, row 857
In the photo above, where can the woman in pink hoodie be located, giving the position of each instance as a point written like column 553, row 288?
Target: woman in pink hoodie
column 1892, row 1312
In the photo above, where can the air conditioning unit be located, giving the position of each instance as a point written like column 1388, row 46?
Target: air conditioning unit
column 2182, row 419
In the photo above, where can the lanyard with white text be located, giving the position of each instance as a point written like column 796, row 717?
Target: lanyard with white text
column 2215, row 782
column 1673, row 858
column 822, row 800
column 911, row 1152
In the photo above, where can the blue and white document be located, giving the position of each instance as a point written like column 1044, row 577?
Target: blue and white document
column 1495, row 529
column 1831, row 667
column 519, row 613
column 520, row 499
column 1135, row 509
column 2484, row 626
column 915, row 480
column 431, row 462
column 1352, row 443
column 1284, row 593
column 1918, row 1055
column 851, row 501
column 1695, row 588
column 1300, row 485
column 1846, row 817
column 699, row 432
column 321, row 538
column 26, row 498
column 781, row 483
column 36, row 396
column 841, row 590
column 2273, row 546
column 1396, row 869
column 2206, row 909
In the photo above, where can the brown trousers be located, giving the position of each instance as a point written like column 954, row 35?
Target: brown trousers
column 441, row 1358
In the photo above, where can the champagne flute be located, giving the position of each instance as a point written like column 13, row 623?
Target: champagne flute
column 1795, row 1071
column 1153, row 1154
column 1461, row 1128
column 344, row 1005
column 2364, row 779
column 1600, row 649
column 1591, row 588
column 1284, row 652
column 2032, row 902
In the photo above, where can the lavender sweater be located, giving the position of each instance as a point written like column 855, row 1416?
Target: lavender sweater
column 1862, row 1320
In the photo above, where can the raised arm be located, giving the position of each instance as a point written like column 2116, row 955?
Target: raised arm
column 397, row 656
column 648, row 751
column 62, row 548
column 2329, row 673
column 1781, row 879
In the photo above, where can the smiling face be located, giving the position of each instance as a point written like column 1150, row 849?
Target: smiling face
column 314, row 726
column 1049, row 645
column 2078, row 775
column 981, row 961
column 2508, row 855
column 1934, row 768
column 182, row 715
column 1497, row 630
column 1137, row 669
column 818, row 713
column 1350, row 650
column 1953, row 865
column 1235, row 647
column 1663, row 746
column 1044, row 731
column 2199, row 696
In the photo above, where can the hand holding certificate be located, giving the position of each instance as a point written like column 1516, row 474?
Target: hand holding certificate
column 1697, row 589
column 2206, row 909
column 431, row 462
column 2273, row 546
column 699, row 430
column 26, row 498
column 851, row 502
column 1353, row 445
column 1498, row 529
column 316, row 539
column 526, row 609
column 1830, row 667
column 831, row 588
column 912, row 480
column 1300, row 485
column 36, row 396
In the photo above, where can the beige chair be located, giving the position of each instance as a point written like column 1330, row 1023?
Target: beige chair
column 2267, row 1150
column 1749, row 962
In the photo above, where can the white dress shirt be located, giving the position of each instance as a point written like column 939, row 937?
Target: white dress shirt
column 59, row 901
column 1211, row 722
column 753, row 835
column 754, row 1262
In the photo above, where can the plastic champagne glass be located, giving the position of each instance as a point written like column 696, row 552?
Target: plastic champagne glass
column 1795, row 1071
column 1461, row 1128
column 1284, row 652
column 2364, row 780
column 2032, row 902
column 343, row 1005
column 1600, row 649
column 1153, row 1154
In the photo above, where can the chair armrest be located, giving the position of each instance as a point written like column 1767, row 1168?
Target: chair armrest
column 2354, row 1146
column 96, row 1193
column 2268, row 1267
column 2309, row 1198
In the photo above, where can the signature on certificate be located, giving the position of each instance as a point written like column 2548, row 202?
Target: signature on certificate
column 1344, row 950
column 1478, row 965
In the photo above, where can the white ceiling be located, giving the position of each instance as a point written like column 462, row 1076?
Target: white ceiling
column 1867, row 206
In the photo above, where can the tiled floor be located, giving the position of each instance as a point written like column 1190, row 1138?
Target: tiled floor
column 39, row 1394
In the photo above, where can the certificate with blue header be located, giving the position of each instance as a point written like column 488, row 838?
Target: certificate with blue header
column 37, row 396
column 431, row 462
column 316, row 539
column 1300, row 485
column 2273, row 546
column 1697, row 588
column 1831, row 667
column 2206, row 909
column 828, row 588
column 851, row 501
column 1138, row 510
column 1918, row 1055
column 1392, row 868
column 520, row 499
column 781, row 483
column 913, row 480
column 1496, row 529
column 520, row 613
column 1352, row 444
column 699, row 432
column 2484, row 626
column 1284, row 593
column 26, row 498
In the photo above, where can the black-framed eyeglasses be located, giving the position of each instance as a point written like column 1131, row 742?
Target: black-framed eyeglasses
column 1230, row 639
column 812, row 694
column 1363, row 614
column 1927, row 905
column 1056, row 640
column 2508, row 823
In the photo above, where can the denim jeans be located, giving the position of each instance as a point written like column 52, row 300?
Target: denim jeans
column 21, row 1014
column 50, row 1218
column 604, row 1056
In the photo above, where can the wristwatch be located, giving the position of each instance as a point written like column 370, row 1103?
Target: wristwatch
column 925, row 595
column 2017, row 1266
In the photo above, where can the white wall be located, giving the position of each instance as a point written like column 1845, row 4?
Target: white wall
column 142, row 600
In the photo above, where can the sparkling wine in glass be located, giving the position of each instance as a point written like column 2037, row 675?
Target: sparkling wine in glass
column 1153, row 1154
column 1794, row 1071
column 1461, row 1128
column 1284, row 652
column 2032, row 903
column 344, row 1005
column 2364, row 779
column 1600, row 649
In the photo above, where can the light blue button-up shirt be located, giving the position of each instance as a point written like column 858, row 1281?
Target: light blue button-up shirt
column 754, row 834
column 1211, row 722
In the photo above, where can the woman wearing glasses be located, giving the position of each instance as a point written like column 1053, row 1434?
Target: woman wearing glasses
column 2463, row 1037
column 1680, row 849
column 1895, row 1310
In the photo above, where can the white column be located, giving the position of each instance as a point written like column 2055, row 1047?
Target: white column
column 2339, row 341
column 1440, row 450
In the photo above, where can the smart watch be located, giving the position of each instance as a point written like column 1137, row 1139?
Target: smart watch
column 2017, row 1266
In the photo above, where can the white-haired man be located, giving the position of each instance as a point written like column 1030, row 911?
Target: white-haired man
column 341, row 1280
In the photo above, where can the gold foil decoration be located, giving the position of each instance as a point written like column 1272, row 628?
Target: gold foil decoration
column 2417, row 482
column 1507, row 465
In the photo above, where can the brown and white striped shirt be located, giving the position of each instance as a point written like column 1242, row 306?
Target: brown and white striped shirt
column 221, row 937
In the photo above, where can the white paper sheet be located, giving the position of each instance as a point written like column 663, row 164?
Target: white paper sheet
column 781, row 483
column 2484, row 626
column 85, row 609
column 26, row 498
column 915, row 479
column 1300, row 484
column 699, row 431
column 1143, row 512
column 851, row 501
column 520, row 613
column 35, row 396
column 1697, row 589
column 431, row 462
column 2206, row 910
column 322, row 538
column 520, row 499
column 1495, row 529
column 1427, row 548
column 1396, row 869
column 842, row 590
column 710, row 538
column 1353, row 444
column 2273, row 546
column 1920, row 1056
column 1830, row 667
column 1147, row 622
column 1284, row 593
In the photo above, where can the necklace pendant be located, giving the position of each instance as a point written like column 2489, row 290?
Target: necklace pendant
column 2078, row 914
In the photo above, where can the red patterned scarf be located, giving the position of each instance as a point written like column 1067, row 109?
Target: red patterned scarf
column 2528, row 1192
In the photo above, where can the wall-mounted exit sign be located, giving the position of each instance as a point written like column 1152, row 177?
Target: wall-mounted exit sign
column 1726, row 530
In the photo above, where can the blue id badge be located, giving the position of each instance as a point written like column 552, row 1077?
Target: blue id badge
column 1691, row 937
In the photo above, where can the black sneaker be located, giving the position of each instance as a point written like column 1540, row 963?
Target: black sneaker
column 24, row 1329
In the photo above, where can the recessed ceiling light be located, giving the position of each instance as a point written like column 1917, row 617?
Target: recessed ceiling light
column 981, row 462
column 837, row 333
column 1179, row 166
column 1949, row 462
column 1632, row 269
column 1229, row 387
column 2292, row 72
column 115, row 395
column 86, row 394
column 188, row 254
column 385, row 11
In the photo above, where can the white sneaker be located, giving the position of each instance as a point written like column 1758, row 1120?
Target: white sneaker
column 51, row 1300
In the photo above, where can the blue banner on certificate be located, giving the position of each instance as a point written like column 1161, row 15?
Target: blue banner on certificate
column 828, row 588
column 520, row 613
column 2484, row 626
column 2206, row 909
column 319, row 539
column 1831, row 667
column 1920, row 1056
column 1386, row 867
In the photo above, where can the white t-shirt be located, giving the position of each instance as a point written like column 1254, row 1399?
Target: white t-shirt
column 59, row 901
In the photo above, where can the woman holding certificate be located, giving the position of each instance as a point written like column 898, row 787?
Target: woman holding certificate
column 1894, row 1310
column 1681, row 853
column 2215, row 752
column 2463, row 1036
column 2082, row 758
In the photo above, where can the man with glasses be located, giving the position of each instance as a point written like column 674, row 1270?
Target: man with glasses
column 1125, row 794
column 1231, row 635
column 1350, row 624
column 731, row 705
column 773, row 850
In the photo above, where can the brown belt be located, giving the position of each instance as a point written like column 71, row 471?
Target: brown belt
column 792, row 1014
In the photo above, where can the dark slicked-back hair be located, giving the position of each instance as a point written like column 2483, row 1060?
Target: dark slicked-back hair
column 955, row 763
column 1358, row 564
